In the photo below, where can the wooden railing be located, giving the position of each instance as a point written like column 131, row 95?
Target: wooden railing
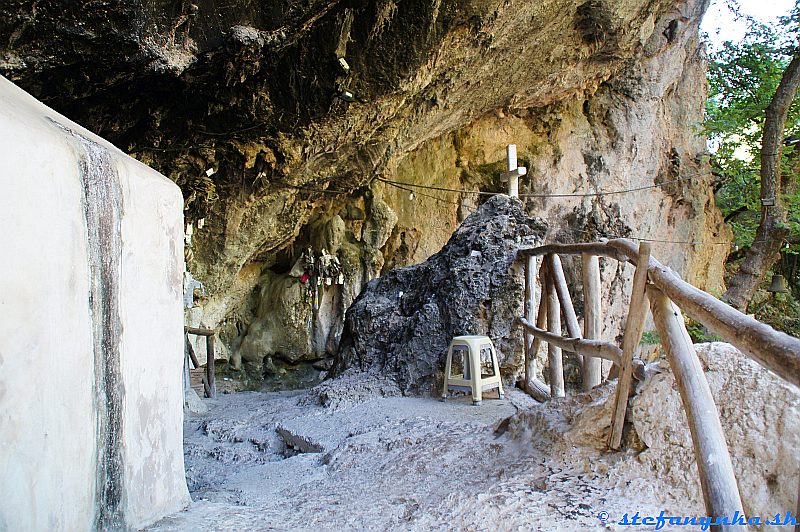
column 209, row 380
column 668, row 295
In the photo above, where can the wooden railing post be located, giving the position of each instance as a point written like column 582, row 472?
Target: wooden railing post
column 717, row 478
column 564, row 298
column 554, row 357
column 776, row 351
column 212, row 381
column 196, row 364
column 529, row 304
column 592, row 318
column 637, row 314
column 535, row 387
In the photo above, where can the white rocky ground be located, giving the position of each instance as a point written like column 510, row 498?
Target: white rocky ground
column 365, row 458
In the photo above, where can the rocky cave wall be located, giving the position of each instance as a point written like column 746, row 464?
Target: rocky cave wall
column 245, row 108
column 637, row 130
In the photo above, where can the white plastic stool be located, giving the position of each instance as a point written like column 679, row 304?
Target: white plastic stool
column 471, row 380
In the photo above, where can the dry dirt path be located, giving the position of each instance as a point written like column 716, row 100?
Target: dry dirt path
column 372, row 460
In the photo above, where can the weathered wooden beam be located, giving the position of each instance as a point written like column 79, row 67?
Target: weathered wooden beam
column 528, row 306
column 634, row 325
column 206, row 387
column 212, row 380
column 717, row 478
column 555, row 359
column 565, row 300
column 774, row 350
column 592, row 317
column 580, row 346
column 536, row 388
column 593, row 248
column 200, row 331
column 192, row 355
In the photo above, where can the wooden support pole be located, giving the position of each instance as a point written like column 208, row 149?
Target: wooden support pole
column 536, row 388
column 554, row 357
column 212, row 381
column 717, row 478
column 565, row 300
column 776, row 351
column 581, row 346
column 529, row 304
column 592, row 318
column 192, row 356
column 526, row 303
column 206, row 387
column 560, row 283
column 637, row 314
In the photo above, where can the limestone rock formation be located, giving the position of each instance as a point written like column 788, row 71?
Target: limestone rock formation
column 402, row 322
column 760, row 413
column 245, row 107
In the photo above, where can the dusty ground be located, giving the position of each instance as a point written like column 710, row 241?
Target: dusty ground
column 368, row 459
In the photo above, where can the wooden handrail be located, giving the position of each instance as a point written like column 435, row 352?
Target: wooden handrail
column 592, row 248
column 579, row 346
column 589, row 348
column 669, row 294
column 198, row 331
column 775, row 350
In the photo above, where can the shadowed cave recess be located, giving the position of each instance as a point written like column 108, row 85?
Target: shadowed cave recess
column 299, row 129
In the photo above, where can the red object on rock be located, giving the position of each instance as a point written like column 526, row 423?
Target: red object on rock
column 304, row 278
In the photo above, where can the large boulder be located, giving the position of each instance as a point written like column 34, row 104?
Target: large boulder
column 402, row 323
column 759, row 412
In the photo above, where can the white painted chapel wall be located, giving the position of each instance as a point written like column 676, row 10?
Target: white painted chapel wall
column 91, row 328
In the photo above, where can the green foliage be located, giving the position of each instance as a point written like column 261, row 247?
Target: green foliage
column 698, row 333
column 781, row 311
column 743, row 78
column 650, row 338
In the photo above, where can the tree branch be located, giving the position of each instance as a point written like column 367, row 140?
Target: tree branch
column 772, row 228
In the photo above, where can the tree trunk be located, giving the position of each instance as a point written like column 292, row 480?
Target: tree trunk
column 772, row 229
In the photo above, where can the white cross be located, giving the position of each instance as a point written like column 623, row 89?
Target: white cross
column 514, row 172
